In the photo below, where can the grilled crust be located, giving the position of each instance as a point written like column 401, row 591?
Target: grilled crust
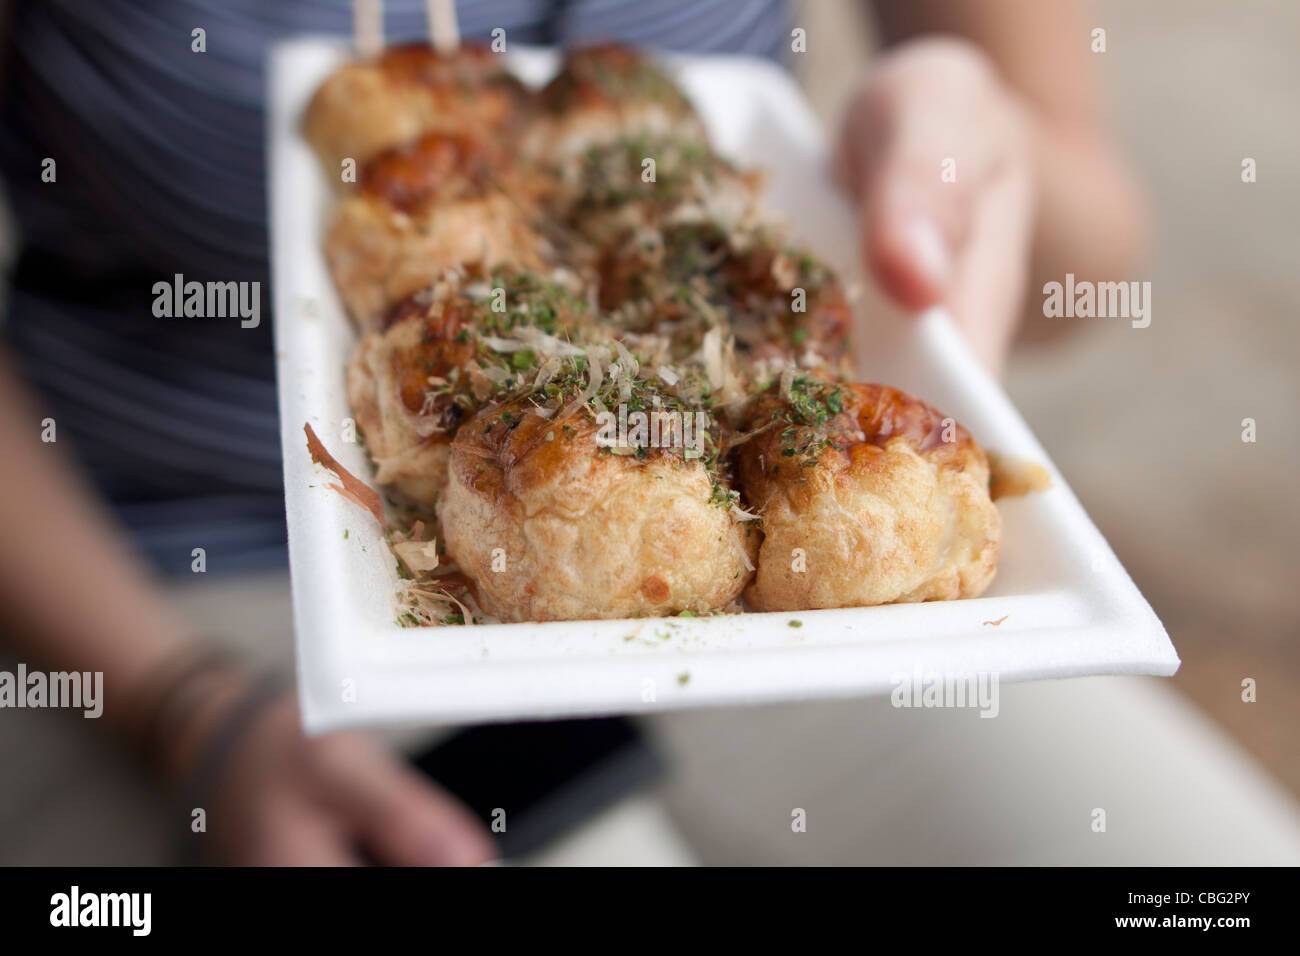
column 438, row 167
column 378, row 255
column 367, row 107
column 407, row 434
column 601, row 94
column 895, row 509
column 444, row 201
column 556, row 528
column 754, row 286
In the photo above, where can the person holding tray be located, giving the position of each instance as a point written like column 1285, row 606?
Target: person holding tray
column 133, row 153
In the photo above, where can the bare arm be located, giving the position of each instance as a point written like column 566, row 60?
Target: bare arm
column 72, row 594
column 74, row 597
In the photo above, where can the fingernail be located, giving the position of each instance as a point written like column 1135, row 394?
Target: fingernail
column 929, row 249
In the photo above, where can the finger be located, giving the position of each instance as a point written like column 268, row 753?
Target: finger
column 909, row 254
column 423, row 826
column 402, row 818
column 297, row 836
column 988, row 292
column 921, row 143
column 918, row 199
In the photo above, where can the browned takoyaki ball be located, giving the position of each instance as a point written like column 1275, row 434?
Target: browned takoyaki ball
column 444, row 201
column 867, row 496
column 368, row 106
column 643, row 181
column 782, row 305
column 436, row 167
column 414, row 380
column 552, row 526
column 408, row 397
column 603, row 93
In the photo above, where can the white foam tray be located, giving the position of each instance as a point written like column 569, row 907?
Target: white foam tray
column 1066, row 605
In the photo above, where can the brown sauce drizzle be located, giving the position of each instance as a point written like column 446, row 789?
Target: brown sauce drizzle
column 885, row 413
column 434, row 166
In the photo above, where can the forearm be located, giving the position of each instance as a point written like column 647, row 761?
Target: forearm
column 72, row 594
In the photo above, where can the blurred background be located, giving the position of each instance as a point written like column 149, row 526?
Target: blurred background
column 1147, row 426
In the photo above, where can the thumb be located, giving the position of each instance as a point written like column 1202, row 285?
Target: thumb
column 422, row 825
column 915, row 148
column 402, row 818
column 429, row 828
column 913, row 222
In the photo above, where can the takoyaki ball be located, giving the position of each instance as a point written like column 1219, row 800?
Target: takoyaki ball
column 409, row 393
column 416, row 379
column 434, row 205
column 796, row 312
column 603, row 93
column 867, row 496
column 642, row 180
column 446, row 167
column 552, row 525
column 781, row 305
column 366, row 107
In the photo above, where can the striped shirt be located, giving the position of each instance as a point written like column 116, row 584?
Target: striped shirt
column 160, row 169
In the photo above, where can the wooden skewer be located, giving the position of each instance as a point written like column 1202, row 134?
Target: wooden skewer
column 443, row 26
column 368, row 27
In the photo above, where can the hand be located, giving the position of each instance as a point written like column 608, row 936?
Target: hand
column 963, row 243
column 288, row 800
